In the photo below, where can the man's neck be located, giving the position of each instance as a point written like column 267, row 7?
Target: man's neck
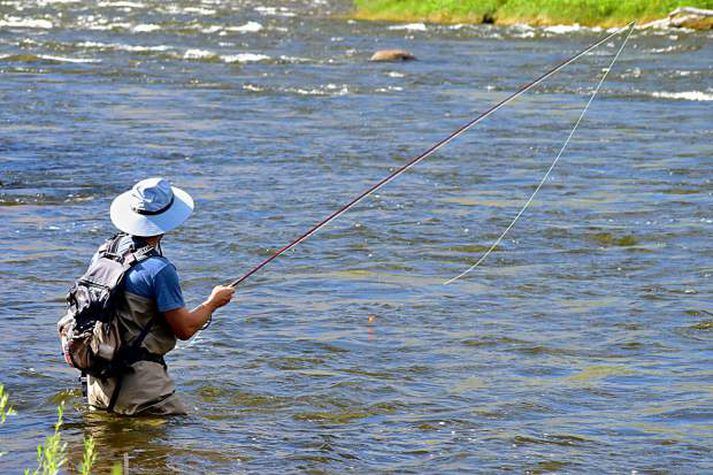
column 153, row 240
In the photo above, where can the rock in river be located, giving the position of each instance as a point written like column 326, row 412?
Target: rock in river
column 392, row 55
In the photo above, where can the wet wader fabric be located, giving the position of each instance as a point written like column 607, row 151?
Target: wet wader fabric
column 145, row 386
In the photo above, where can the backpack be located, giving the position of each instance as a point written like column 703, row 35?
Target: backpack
column 89, row 331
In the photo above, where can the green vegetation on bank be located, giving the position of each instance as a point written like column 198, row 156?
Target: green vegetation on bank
column 52, row 455
column 534, row 12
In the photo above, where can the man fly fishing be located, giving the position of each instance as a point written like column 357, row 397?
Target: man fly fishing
column 127, row 310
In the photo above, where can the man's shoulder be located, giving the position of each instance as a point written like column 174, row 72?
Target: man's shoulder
column 150, row 274
column 155, row 265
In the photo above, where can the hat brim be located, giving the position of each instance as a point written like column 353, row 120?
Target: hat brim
column 135, row 224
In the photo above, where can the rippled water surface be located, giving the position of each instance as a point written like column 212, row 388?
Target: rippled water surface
column 582, row 345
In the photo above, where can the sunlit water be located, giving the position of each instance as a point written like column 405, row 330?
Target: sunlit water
column 582, row 345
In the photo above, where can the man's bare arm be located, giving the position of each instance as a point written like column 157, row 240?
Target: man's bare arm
column 185, row 323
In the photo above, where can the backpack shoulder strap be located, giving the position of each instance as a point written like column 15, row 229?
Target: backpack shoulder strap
column 111, row 245
column 134, row 256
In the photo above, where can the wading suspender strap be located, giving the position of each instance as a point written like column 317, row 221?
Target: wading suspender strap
column 115, row 394
column 124, row 365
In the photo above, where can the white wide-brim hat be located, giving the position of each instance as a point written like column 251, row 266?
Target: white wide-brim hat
column 150, row 208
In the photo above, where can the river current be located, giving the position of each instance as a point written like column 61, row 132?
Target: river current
column 583, row 343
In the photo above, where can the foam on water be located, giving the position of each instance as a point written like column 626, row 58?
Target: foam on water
column 211, row 29
column 201, row 54
column 523, row 27
column 106, row 26
column 327, row 90
column 295, row 59
column 244, row 58
column 253, row 88
column 17, row 22
column 200, row 11
column 198, row 54
column 122, row 47
column 275, row 11
column 410, row 27
column 566, row 29
column 122, row 4
column 64, row 59
column 390, row 89
column 42, row 3
column 145, row 28
column 667, row 49
column 249, row 27
column 30, row 58
column 524, row 34
column 698, row 96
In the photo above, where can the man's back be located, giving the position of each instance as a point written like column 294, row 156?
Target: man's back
column 150, row 288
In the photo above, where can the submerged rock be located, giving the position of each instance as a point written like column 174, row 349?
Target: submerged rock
column 392, row 55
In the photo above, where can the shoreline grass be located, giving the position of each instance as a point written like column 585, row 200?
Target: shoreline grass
column 604, row 13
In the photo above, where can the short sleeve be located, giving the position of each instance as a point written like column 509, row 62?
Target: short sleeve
column 168, row 290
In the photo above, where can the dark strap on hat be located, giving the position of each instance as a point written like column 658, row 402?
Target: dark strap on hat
column 146, row 212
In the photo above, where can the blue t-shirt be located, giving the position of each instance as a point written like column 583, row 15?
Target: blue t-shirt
column 154, row 278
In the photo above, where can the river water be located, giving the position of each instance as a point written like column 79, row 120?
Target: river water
column 583, row 344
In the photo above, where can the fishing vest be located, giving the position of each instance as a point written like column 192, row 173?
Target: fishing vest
column 134, row 313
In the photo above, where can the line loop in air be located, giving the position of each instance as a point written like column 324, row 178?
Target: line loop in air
column 552, row 166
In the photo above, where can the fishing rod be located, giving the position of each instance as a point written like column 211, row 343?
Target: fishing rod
column 430, row 151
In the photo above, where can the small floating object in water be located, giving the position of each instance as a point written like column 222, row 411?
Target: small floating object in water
column 392, row 55
column 370, row 320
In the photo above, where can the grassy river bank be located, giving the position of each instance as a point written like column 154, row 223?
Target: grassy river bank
column 604, row 13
